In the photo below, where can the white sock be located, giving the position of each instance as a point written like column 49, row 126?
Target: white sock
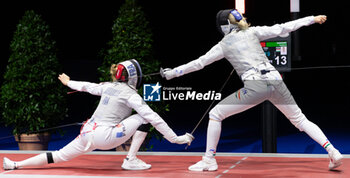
column 316, row 134
column 213, row 136
column 38, row 160
column 136, row 143
column 328, row 146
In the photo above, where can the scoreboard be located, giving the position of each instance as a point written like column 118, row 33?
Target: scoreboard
column 278, row 51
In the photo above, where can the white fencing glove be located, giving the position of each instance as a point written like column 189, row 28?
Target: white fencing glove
column 167, row 73
column 187, row 138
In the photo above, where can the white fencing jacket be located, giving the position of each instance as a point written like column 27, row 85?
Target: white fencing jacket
column 242, row 48
column 116, row 104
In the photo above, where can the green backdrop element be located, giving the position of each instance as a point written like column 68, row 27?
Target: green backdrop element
column 32, row 97
column 131, row 39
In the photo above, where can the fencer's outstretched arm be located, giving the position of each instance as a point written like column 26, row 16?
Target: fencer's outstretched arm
column 266, row 32
column 136, row 102
column 214, row 54
column 92, row 88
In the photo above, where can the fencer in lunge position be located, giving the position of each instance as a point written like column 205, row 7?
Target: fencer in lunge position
column 241, row 47
column 112, row 123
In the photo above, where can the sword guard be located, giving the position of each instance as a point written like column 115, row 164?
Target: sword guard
column 161, row 72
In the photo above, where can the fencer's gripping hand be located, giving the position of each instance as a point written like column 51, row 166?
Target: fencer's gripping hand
column 320, row 19
column 184, row 139
column 64, row 78
column 167, row 73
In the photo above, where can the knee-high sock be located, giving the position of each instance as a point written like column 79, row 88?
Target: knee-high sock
column 136, row 143
column 38, row 160
column 316, row 134
column 213, row 136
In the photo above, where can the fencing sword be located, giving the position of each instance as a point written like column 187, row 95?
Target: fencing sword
column 152, row 74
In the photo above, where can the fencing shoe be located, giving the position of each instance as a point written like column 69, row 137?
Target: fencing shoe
column 135, row 164
column 8, row 164
column 206, row 164
column 335, row 159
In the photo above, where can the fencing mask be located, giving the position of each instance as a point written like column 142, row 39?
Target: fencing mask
column 223, row 23
column 134, row 73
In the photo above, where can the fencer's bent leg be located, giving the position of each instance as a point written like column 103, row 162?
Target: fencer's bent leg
column 252, row 94
column 110, row 137
column 136, row 143
column 131, row 162
column 137, row 140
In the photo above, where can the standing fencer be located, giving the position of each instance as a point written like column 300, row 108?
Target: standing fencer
column 112, row 123
column 241, row 47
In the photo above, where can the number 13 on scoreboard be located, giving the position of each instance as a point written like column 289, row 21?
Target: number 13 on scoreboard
column 278, row 51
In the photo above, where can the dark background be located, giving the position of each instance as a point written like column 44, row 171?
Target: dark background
column 185, row 30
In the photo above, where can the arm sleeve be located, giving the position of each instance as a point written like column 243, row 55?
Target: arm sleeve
column 266, row 32
column 214, row 54
column 92, row 88
column 137, row 103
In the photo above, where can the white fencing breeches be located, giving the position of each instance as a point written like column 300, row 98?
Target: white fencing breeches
column 101, row 137
column 256, row 91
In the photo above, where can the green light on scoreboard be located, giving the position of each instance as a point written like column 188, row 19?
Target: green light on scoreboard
column 276, row 44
